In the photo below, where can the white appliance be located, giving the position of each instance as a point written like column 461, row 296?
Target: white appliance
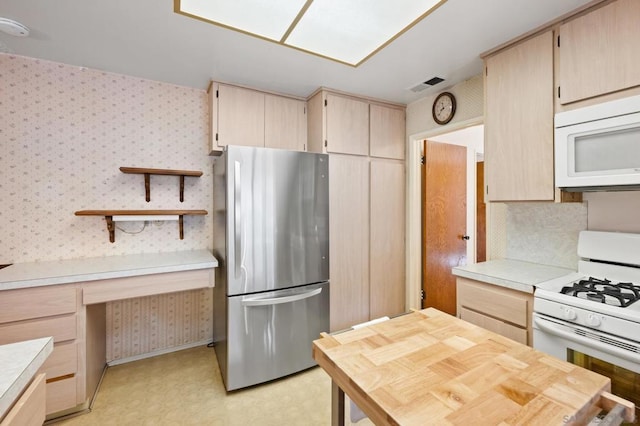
column 598, row 147
column 592, row 317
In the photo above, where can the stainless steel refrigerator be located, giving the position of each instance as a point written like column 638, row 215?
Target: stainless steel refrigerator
column 271, row 238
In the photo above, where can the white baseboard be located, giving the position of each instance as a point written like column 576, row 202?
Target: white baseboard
column 158, row 352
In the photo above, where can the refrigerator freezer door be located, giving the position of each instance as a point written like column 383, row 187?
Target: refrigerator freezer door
column 270, row 334
column 277, row 219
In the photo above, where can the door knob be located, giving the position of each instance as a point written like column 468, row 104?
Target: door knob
column 465, row 237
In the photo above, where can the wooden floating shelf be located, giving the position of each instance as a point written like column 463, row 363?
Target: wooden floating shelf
column 112, row 216
column 148, row 172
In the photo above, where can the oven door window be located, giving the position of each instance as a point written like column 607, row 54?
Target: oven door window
column 624, row 383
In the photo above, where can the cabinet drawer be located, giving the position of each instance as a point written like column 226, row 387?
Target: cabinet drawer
column 497, row 302
column 61, row 395
column 61, row 328
column 62, row 361
column 497, row 326
column 17, row 305
column 29, row 409
column 146, row 285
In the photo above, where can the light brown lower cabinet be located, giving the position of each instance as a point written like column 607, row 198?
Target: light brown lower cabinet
column 74, row 315
column 502, row 310
column 29, row 409
column 37, row 312
column 367, row 235
column 387, row 230
column 348, row 240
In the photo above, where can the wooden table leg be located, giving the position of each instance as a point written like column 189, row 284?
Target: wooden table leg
column 337, row 405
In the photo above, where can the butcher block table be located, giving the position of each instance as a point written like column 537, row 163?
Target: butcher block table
column 430, row 368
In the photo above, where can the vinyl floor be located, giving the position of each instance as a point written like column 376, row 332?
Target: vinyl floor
column 185, row 388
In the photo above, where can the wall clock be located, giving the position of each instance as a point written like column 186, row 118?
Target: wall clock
column 444, row 108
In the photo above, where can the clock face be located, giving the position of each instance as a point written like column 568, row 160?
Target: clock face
column 444, row 107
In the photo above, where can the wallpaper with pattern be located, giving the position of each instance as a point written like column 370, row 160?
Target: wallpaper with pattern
column 168, row 320
column 65, row 131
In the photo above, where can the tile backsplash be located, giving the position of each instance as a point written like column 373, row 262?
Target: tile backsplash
column 545, row 233
column 65, row 132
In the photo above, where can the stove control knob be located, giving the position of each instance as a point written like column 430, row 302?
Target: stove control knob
column 593, row 320
column 569, row 314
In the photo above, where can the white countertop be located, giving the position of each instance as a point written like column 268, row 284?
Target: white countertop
column 514, row 274
column 36, row 274
column 20, row 362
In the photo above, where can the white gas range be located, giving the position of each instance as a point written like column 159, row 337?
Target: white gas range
column 592, row 317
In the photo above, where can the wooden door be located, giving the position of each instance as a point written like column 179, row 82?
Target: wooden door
column 387, row 259
column 285, row 123
column 348, row 240
column 444, row 220
column 519, row 122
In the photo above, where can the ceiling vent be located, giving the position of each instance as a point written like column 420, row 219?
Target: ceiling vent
column 427, row 84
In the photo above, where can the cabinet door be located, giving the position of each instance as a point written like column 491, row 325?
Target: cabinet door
column 599, row 52
column 387, row 222
column 347, row 125
column 240, row 116
column 349, row 240
column 285, row 123
column 519, row 121
column 386, row 132
column 29, row 409
column 315, row 123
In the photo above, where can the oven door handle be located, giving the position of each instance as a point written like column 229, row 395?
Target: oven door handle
column 611, row 350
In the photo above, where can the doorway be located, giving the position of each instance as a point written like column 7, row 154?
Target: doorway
column 471, row 135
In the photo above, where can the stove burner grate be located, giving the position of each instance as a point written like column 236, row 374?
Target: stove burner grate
column 604, row 291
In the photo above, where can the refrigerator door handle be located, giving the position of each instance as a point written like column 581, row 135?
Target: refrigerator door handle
column 279, row 300
column 237, row 219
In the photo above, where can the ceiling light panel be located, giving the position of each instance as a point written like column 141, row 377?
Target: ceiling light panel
column 347, row 31
column 350, row 31
column 265, row 18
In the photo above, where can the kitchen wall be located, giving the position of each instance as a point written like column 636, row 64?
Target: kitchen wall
column 469, row 105
column 64, row 133
column 420, row 125
column 540, row 232
column 614, row 211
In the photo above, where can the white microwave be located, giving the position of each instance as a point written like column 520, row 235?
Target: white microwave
column 598, row 147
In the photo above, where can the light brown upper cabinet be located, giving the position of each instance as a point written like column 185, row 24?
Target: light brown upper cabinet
column 241, row 116
column 344, row 124
column 599, row 52
column 386, row 132
column 347, row 125
column 285, row 123
column 519, row 121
